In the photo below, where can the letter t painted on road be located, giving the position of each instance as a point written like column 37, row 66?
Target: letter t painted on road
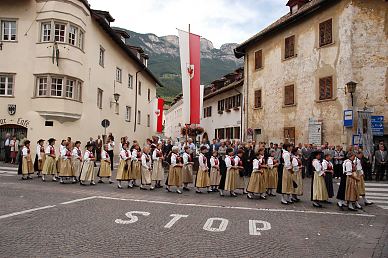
column 175, row 218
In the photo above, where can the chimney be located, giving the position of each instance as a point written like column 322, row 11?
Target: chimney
column 295, row 5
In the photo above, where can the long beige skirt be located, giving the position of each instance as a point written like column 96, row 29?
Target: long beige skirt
column 215, row 177
column 27, row 167
column 287, row 187
column 202, row 180
column 158, row 171
column 272, row 178
column 256, row 182
column 66, row 168
column 123, row 173
column 135, row 172
column 41, row 162
column 231, row 179
column 87, row 172
column 297, row 177
column 145, row 176
column 240, row 183
column 58, row 164
column 49, row 167
column 175, row 176
column 351, row 191
column 77, row 167
column 105, row 170
column 187, row 174
column 360, row 184
column 319, row 188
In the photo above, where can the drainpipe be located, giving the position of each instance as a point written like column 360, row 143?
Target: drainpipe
column 241, row 113
column 136, row 87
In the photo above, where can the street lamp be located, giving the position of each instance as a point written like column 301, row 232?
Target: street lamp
column 351, row 88
column 116, row 97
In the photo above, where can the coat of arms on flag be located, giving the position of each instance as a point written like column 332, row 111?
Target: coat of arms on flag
column 190, row 71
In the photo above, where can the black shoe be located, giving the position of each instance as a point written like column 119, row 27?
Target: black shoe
column 209, row 191
column 119, row 187
column 23, row 178
column 233, row 194
column 198, row 191
column 249, row 196
column 296, row 200
column 168, row 190
column 186, row 189
column 110, row 182
column 100, row 181
column 352, row 209
column 368, row 203
column 215, row 190
column 143, row 188
column 284, row 202
column 271, row 194
column 81, row 183
column 263, row 197
column 317, row 205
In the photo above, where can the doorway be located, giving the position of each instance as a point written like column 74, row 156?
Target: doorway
column 10, row 129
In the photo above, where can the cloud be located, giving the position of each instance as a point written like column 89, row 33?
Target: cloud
column 221, row 21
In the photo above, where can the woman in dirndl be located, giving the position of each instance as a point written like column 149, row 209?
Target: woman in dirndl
column 146, row 169
column 361, row 183
column 157, row 167
column 319, row 191
column 40, row 157
column 351, row 194
column 105, row 171
column 297, row 175
column 66, row 170
column 287, row 185
column 124, row 169
column 62, row 146
column 87, row 172
column 187, row 169
column 232, row 173
column 27, row 167
column 135, row 172
column 77, row 160
column 202, row 180
column 328, row 168
column 272, row 174
column 175, row 172
column 215, row 175
column 240, row 183
column 49, row 166
column 256, row 184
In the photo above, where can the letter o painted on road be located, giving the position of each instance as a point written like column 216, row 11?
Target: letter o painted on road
column 209, row 225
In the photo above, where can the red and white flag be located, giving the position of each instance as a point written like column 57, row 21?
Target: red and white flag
column 158, row 108
column 189, row 49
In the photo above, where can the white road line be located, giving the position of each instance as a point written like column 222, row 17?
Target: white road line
column 25, row 211
column 377, row 197
column 9, row 168
column 80, row 200
column 376, row 194
column 367, row 189
column 384, row 207
column 8, row 172
column 378, row 201
column 235, row 207
column 376, row 184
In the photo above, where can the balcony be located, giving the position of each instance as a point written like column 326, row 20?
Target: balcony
column 60, row 109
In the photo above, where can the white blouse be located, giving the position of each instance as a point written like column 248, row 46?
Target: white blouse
column 287, row 159
column 347, row 167
column 144, row 162
column 318, row 167
column 202, row 164
column 228, row 161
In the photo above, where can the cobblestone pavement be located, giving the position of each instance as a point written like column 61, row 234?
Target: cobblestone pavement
column 48, row 219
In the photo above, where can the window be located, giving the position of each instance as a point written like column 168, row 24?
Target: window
column 46, row 32
column 128, row 112
column 325, row 33
column 259, row 59
column 102, row 53
column 99, row 98
column 149, row 94
column 138, row 117
column 56, row 87
column 289, row 134
column 73, row 33
column 236, row 131
column 148, row 120
column 326, row 88
column 8, row 30
column 257, row 98
column 207, row 112
column 117, row 108
column 130, row 81
column 220, row 133
column 42, row 86
column 118, row 74
column 139, row 88
column 221, row 105
column 81, row 39
column 6, row 85
column 289, row 98
column 238, row 100
column 229, row 133
column 59, row 32
column 289, row 47
column 70, row 85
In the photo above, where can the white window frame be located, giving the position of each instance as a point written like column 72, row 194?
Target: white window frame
column 70, row 88
column 101, row 60
column 59, row 36
column 130, row 81
column 46, row 32
column 128, row 113
column 100, row 93
column 7, row 84
column 80, row 43
column 9, row 30
column 42, row 86
column 119, row 75
column 54, row 85
column 48, row 84
column 73, row 35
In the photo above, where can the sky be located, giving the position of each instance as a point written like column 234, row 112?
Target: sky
column 220, row 21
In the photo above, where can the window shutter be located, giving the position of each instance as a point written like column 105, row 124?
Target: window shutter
column 289, row 95
column 258, row 59
column 326, row 88
column 257, row 98
column 325, row 33
column 289, row 47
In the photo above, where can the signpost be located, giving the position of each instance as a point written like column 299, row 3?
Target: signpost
column 105, row 123
column 377, row 125
column 348, row 118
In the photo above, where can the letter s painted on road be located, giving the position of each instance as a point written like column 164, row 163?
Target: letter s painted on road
column 132, row 218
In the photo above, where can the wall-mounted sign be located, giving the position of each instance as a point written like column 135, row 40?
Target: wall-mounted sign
column 348, row 118
column 20, row 121
column 315, row 131
column 356, row 140
column 11, row 109
column 377, row 125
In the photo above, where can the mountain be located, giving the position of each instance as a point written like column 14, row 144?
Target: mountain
column 164, row 60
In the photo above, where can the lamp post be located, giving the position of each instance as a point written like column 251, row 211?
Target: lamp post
column 116, row 97
column 351, row 88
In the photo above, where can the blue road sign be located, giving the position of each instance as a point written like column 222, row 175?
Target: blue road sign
column 377, row 125
column 348, row 118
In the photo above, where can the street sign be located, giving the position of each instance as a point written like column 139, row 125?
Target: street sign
column 377, row 125
column 105, row 123
column 348, row 118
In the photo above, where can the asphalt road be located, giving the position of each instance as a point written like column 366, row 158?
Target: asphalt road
column 48, row 219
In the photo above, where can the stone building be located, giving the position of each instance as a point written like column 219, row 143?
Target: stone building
column 222, row 102
column 65, row 69
column 297, row 70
